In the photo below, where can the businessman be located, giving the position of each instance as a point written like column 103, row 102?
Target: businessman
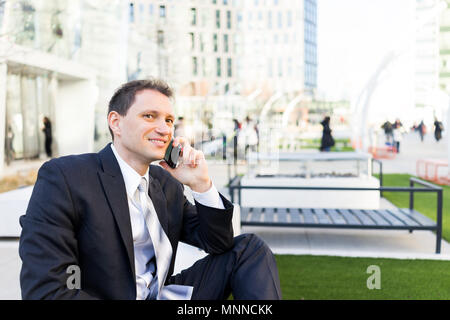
column 117, row 220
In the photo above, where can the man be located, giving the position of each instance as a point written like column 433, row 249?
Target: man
column 118, row 220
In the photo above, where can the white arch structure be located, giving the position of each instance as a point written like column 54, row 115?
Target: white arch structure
column 290, row 107
column 277, row 95
column 363, row 102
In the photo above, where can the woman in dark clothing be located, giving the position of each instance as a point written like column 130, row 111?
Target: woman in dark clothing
column 327, row 140
column 438, row 128
column 48, row 136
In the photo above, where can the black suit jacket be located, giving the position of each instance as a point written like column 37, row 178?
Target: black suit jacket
column 78, row 215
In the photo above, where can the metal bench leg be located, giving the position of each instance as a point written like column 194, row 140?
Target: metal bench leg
column 438, row 243
column 439, row 222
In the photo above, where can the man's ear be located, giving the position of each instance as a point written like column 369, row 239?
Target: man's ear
column 114, row 122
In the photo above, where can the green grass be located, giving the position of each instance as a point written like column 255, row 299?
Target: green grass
column 342, row 145
column 425, row 203
column 319, row 277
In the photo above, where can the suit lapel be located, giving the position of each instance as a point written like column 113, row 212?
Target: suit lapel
column 114, row 187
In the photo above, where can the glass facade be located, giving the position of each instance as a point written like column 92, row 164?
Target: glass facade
column 27, row 102
column 310, row 33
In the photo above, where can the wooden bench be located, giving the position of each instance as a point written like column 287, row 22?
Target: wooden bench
column 393, row 219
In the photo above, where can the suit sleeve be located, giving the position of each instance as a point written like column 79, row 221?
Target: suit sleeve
column 208, row 228
column 48, row 244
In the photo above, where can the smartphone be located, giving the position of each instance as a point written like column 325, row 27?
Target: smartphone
column 172, row 155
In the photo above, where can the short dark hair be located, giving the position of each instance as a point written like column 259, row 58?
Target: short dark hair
column 124, row 97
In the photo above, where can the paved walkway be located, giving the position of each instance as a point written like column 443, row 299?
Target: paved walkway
column 351, row 243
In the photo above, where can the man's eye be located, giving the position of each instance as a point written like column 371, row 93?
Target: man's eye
column 149, row 116
column 169, row 120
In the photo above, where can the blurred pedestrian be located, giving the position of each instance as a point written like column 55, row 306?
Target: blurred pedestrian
column 327, row 139
column 48, row 136
column 10, row 154
column 421, row 128
column 398, row 131
column 249, row 136
column 438, row 128
column 388, row 131
column 237, row 129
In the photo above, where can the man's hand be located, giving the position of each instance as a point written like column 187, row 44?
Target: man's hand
column 192, row 169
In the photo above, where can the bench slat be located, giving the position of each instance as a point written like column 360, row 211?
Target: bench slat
column 379, row 220
column 295, row 215
column 269, row 215
column 245, row 214
column 423, row 220
column 282, row 215
column 336, row 217
column 308, row 216
column 349, row 217
column 363, row 217
column 322, row 217
column 256, row 215
column 392, row 220
column 400, row 215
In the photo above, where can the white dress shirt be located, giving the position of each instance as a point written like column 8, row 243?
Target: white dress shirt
column 142, row 243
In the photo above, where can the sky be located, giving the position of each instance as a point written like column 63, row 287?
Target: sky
column 354, row 36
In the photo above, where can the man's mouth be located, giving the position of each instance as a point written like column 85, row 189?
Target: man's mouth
column 158, row 142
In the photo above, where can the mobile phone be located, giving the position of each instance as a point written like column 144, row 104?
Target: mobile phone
column 172, row 155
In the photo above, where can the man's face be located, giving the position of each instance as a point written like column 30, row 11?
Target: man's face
column 146, row 130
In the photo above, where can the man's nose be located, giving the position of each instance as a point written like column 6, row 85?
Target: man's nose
column 163, row 128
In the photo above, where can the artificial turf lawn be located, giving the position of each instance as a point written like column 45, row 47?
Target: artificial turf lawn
column 322, row 277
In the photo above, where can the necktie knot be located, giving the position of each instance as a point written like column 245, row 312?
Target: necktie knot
column 142, row 187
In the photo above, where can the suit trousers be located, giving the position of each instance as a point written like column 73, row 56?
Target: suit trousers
column 248, row 271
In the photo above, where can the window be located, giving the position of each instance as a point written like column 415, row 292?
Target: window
column 280, row 19
column 160, row 37
column 150, row 9
column 225, row 43
column 289, row 18
column 131, row 16
column 229, row 19
column 215, row 42
column 204, row 67
column 280, row 67
column 229, row 68
column 202, row 43
column 193, row 16
column 162, row 11
column 269, row 19
column 192, row 38
column 194, row 66
column 218, row 67
column 218, row 18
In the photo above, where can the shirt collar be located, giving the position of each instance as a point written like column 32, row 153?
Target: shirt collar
column 130, row 176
